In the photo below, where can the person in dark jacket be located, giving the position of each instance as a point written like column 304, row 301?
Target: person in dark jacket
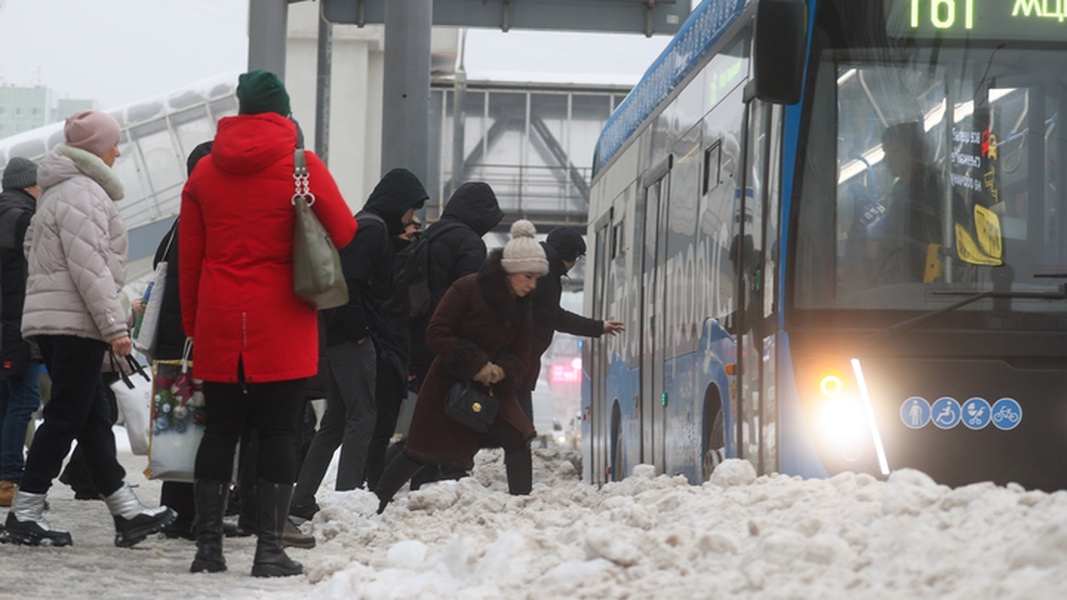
column 563, row 247
column 20, row 394
column 170, row 345
column 394, row 373
column 358, row 341
column 456, row 249
column 481, row 333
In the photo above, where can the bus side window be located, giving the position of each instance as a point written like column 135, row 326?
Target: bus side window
column 712, row 163
column 617, row 239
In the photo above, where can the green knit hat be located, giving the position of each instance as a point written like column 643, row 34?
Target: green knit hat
column 261, row 91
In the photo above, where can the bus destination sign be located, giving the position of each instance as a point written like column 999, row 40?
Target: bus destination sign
column 1038, row 20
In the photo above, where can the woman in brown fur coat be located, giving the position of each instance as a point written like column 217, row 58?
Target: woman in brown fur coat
column 480, row 332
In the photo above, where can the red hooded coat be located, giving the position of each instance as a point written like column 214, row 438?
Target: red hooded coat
column 236, row 253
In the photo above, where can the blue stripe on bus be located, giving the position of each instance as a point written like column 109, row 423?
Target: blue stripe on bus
column 694, row 39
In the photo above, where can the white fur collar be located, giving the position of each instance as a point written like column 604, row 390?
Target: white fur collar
column 95, row 168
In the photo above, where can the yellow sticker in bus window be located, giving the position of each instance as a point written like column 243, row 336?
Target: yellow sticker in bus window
column 987, row 224
column 988, row 249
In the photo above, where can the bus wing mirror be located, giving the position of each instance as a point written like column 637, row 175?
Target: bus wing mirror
column 781, row 43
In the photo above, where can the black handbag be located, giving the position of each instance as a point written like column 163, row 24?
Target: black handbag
column 472, row 408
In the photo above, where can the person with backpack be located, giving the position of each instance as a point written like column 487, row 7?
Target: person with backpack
column 359, row 341
column 455, row 248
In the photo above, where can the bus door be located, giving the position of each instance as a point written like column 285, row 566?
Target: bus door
column 594, row 410
column 748, row 251
column 653, row 334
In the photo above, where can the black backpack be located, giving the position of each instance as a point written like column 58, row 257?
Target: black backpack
column 410, row 297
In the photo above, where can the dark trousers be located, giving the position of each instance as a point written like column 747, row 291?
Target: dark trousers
column 178, row 496
column 389, row 394
column 275, row 409
column 348, row 421
column 76, row 473
column 78, row 409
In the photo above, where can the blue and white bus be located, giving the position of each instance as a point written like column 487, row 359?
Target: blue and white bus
column 836, row 231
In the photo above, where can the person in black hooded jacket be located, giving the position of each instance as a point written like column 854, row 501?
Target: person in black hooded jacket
column 456, row 249
column 358, row 340
column 563, row 247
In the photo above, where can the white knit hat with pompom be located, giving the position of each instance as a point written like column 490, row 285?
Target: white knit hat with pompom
column 523, row 254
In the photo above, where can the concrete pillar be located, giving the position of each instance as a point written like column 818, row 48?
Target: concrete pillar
column 406, row 86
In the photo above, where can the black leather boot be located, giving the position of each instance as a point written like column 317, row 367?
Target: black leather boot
column 397, row 473
column 272, row 513
column 519, row 467
column 210, row 497
column 246, row 516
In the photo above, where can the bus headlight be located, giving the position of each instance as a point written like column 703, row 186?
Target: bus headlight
column 840, row 417
column 841, row 422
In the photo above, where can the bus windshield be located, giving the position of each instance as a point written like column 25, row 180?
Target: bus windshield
column 933, row 171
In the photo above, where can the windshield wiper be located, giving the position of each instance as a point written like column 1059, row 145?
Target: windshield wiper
column 888, row 332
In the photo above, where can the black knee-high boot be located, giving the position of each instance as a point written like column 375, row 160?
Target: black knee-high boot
column 519, row 466
column 272, row 513
column 210, row 498
column 397, row 473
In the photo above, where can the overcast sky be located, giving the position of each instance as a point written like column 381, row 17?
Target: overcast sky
column 122, row 51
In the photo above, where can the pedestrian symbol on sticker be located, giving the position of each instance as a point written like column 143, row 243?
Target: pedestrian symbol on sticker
column 976, row 413
column 915, row 412
column 946, row 412
column 1007, row 414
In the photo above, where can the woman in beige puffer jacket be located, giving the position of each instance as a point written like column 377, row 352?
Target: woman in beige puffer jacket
column 76, row 255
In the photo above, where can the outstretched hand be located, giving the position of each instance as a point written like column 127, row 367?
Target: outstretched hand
column 613, row 327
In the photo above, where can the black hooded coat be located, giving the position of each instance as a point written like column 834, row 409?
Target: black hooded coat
column 456, row 249
column 368, row 264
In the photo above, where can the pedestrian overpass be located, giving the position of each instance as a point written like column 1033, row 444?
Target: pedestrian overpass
column 532, row 142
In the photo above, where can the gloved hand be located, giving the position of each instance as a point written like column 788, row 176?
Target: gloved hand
column 485, row 374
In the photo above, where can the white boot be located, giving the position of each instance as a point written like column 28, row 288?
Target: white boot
column 135, row 521
column 26, row 523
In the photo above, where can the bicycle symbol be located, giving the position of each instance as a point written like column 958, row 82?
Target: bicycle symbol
column 1006, row 414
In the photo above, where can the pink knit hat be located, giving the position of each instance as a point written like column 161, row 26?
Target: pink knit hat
column 92, row 130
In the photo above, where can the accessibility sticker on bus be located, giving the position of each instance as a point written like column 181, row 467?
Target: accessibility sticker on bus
column 946, row 412
column 915, row 412
column 1007, row 414
column 976, row 413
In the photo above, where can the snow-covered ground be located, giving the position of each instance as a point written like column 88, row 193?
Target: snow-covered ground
column 739, row 535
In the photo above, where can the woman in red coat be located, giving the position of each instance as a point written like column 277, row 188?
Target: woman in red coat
column 480, row 332
column 256, row 340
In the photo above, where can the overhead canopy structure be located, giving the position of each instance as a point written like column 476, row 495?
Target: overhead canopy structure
column 649, row 17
